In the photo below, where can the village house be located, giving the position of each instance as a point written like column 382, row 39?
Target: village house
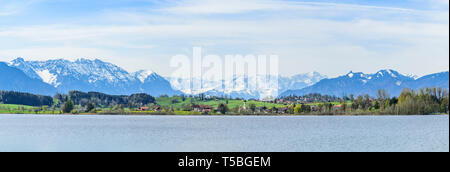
column 287, row 102
column 202, row 108
column 143, row 109
column 337, row 107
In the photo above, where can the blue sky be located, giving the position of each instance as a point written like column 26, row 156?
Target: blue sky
column 328, row 36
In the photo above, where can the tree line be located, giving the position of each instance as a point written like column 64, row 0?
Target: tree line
column 410, row 102
column 67, row 102
column 90, row 100
column 12, row 97
column 311, row 98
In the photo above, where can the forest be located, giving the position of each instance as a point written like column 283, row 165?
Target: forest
column 11, row 97
column 410, row 102
column 104, row 100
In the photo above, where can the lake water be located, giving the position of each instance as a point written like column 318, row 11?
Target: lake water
column 213, row 133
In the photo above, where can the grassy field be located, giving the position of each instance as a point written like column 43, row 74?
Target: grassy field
column 23, row 109
column 177, row 102
column 8, row 108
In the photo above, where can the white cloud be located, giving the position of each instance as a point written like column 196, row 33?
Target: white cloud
column 442, row 2
column 47, row 53
column 239, row 6
column 218, row 7
column 12, row 7
column 327, row 37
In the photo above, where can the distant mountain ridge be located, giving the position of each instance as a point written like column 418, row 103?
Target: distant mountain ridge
column 359, row 84
column 53, row 76
column 13, row 79
column 299, row 81
column 93, row 75
column 217, row 88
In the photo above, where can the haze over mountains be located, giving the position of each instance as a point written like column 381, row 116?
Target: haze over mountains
column 218, row 87
column 60, row 76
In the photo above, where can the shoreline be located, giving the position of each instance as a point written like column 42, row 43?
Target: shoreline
column 221, row 115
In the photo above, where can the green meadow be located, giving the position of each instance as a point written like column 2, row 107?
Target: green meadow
column 177, row 102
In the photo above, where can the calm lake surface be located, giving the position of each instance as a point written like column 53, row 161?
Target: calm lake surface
column 212, row 133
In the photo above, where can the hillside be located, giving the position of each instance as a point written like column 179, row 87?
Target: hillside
column 359, row 84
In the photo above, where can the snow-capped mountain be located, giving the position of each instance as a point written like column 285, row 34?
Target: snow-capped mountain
column 51, row 76
column 433, row 80
column 93, row 75
column 13, row 79
column 359, row 84
column 238, row 87
column 154, row 84
column 299, row 81
column 245, row 87
column 143, row 75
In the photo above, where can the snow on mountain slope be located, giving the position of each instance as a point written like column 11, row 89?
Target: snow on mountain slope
column 245, row 87
column 299, row 81
column 92, row 75
column 13, row 79
column 142, row 75
column 96, row 75
column 48, row 78
column 359, row 84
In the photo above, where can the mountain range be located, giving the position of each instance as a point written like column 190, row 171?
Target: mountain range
column 60, row 76
column 360, row 84
column 13, row 79
column 92, row 75
column 247, row 91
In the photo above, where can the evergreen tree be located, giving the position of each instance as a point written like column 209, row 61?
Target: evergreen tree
column 90, row 107
column 68, row 106
column 222, row 108
column 253, row 107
